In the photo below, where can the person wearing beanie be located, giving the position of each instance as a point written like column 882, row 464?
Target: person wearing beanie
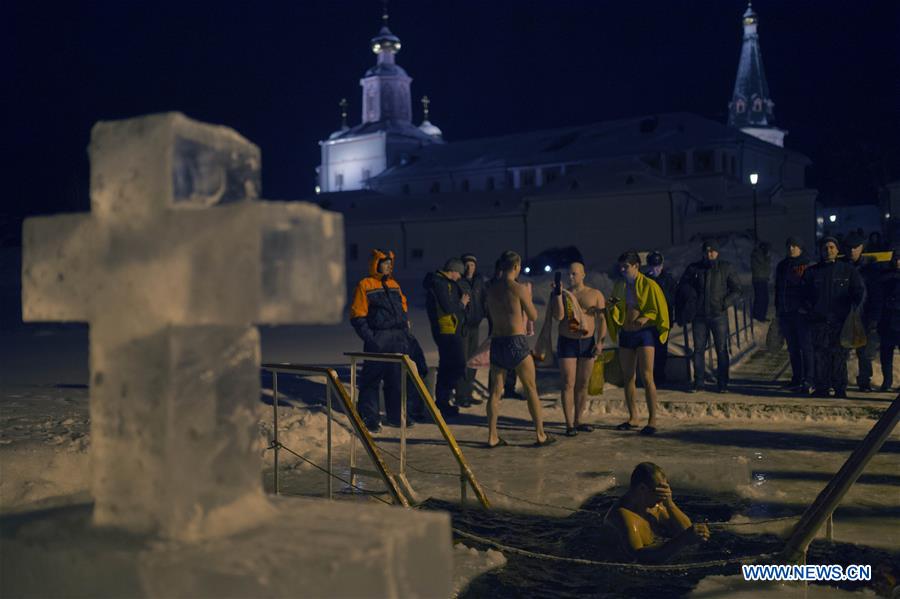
column 446, row 305
column 868, row 269
column 792, row 318
column 714, row 287
column 657, row 271
column 472, row 284
column 761, row 271
column 379, row 316
column 831, row 288
column 886, row 298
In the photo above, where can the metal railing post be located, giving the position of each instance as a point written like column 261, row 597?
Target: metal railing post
column 462, row 486
column 330, row 461
column 404, row 373
column 688, row 352
column 275, row 424
column 353, row 400
column 828, row 499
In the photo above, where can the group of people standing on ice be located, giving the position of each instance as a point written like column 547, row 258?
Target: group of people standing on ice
column 812, row 301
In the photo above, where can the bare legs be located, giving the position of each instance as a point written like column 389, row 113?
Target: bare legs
column 575, row 374
column 526, row 374
column 632, row 361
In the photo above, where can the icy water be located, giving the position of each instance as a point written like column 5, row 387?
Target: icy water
column 576, row 536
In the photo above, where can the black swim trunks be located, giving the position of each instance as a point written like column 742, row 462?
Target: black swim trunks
column 567, row 347
column 508, row 352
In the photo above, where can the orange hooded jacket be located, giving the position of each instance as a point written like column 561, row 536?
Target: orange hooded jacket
column 378, row 302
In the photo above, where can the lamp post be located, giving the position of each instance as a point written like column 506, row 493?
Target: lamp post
column 754, row 179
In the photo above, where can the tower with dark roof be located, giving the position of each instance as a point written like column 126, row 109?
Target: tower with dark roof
column 351, row 157
column 751, row 106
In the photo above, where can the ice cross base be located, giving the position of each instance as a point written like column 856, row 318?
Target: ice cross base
column 172, row 268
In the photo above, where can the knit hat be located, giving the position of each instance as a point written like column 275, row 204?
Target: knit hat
column 795, row 241
column 469, row 258
column 454, row 265
column 655, row 258
column 710, row 244
column 830, row 238
column 852, row 240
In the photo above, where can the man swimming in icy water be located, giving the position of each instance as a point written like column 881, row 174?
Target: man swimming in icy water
column 645, row 525
column 509, row 304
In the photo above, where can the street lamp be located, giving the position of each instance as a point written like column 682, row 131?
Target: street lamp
column 754, row 179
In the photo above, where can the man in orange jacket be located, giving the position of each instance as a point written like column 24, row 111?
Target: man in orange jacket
column 379, row 316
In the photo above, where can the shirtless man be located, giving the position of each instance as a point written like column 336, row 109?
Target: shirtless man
column 509, row 304
column 578, row 344
column 647, row 525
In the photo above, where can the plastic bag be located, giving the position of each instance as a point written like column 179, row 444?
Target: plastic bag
column 853, row 333
column 482, row 356
column 774, row 338
column 595, row 385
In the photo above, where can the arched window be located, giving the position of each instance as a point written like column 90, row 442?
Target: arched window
column 740, row 106
column 757, row 105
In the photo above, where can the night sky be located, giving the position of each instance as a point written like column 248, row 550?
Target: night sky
column 275, row 71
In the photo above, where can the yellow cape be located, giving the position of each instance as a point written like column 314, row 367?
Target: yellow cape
column 651, row 303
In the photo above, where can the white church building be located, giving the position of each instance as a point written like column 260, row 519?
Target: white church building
column 650, row 181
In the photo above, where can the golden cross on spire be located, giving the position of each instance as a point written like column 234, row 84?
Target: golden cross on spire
column 384, row 11
column 425, row 103
column 343, row 105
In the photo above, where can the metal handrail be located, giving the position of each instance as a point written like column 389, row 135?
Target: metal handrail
column 410, row 370
column 735, row 336
column 822, row 509
column 332, row 382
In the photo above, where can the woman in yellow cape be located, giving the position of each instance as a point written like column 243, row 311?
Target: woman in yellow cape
column 637, row 312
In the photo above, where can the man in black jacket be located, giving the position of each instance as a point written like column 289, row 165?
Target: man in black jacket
column 666, row 282
column 713, row 283
column 869, row 270
column 831, row 289
column 472, row 284
column 446, row 306
column 792, row 317
column 886, row 303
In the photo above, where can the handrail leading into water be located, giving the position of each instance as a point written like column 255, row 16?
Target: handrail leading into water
column 823, row 507
column 410, row 370
column 332, row 382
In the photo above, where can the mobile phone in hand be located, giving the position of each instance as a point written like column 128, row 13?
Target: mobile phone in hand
column 557, row 280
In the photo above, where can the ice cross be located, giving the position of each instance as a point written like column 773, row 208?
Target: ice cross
column 172, row 268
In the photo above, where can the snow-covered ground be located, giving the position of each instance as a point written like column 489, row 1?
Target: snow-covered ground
column 766, row 461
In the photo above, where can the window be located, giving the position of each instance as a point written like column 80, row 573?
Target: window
column 435, row 187
column 675, row 163
column 704, row 161
column 490, row 185
column 653, row 160
column 465, row 185
column 527, row 177
column 551, row 174
column 417, row 254
column 353, row 252
column 757, row 105
column 339, row 181
column 740, row 106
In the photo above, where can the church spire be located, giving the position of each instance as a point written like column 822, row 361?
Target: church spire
column 385, row 86
column 751, row 106
column 427, row 127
